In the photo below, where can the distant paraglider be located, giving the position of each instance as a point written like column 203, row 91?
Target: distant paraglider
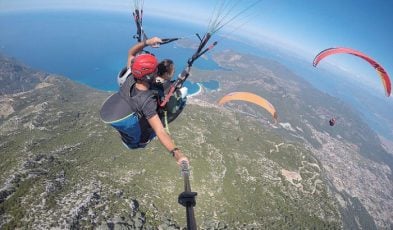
column 332, row 121
column 380, row 70
column 250, row 97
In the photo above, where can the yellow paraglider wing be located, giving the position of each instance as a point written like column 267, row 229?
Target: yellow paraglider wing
column 250, row 97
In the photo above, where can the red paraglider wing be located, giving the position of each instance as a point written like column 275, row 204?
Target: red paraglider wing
column 380, row 70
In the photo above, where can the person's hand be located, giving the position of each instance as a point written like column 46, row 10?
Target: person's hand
column 154, row 42
column 184, row 165
column 181, row 159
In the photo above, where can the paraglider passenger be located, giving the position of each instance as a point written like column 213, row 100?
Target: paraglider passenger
column 163, row 83
column 165, row 71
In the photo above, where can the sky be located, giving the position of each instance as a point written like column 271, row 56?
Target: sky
column 303, row 26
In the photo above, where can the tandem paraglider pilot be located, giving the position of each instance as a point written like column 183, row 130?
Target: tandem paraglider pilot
column 133, row 111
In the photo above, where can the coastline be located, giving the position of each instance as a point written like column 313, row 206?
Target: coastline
column 198, row 92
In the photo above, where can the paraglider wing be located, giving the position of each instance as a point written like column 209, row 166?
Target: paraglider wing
column 380, row 70
column 250, row 97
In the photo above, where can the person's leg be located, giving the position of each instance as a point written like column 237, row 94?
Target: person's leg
column 146, row 138
column 178, row 102
column 128, row 141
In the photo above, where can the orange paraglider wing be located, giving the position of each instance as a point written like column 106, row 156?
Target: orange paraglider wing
column 380, row 70
column 250, row 97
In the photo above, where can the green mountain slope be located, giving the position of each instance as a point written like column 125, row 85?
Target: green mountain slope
column 61, row 167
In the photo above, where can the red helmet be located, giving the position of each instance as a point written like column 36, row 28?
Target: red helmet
column 143, row 64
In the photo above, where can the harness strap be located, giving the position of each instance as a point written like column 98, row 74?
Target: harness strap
column 166, row 124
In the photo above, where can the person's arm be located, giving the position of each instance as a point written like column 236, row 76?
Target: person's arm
column 138, row 47
column 165, row 139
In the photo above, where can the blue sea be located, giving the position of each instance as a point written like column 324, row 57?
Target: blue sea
column 91, row 47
